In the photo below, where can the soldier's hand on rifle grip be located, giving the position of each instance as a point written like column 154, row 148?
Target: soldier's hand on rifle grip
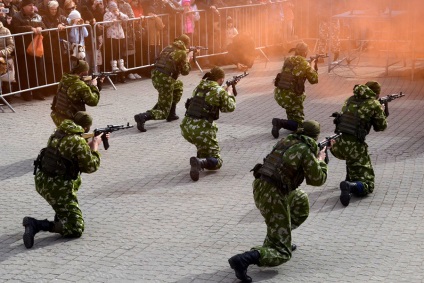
column 315, row 64
column 94, row 82
column 189, row 56
column 322, row 154
column 95, row 142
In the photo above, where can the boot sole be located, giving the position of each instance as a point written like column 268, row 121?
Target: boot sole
column 275, row 131
column 28, row 240
column 195, row 169
column 345, row 195
column 140, row 123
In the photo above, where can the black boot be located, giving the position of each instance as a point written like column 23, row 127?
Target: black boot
column 197, row 165
column 289, row 125
column 346, row 189
column 241, row 262
column 32, row 227
column 276, row 126
column 141, row 119
column 172, row 116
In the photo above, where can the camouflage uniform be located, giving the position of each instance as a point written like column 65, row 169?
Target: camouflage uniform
column 284, row 212
column 61, row 194
column 201, row 132
column 78, row 93
column 288, row 99
column 170, row 89
column 348, row 147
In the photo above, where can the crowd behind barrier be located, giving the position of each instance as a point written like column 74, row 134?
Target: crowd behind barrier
column 121, row 38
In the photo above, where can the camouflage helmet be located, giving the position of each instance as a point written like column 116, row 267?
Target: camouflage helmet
column 185, row 39
column 83, row 119
column 80, row 67
column 374, row 86
column 310, row 128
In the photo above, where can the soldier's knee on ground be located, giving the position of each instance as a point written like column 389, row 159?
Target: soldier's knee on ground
column 213, row 163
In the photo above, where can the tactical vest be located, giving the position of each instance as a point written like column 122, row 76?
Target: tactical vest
column 350, row 123
column 197, row 107
column 52, row 163
column 63, row 105
column 286, row 79
column 165, row 63
column 275, row 171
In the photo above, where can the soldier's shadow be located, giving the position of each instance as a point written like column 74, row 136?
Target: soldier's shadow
column 12, row 244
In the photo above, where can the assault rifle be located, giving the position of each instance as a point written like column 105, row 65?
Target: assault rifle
column 316, row 57
column 326, row 143
column 196, row 50
column 107, row 130
column 386, row 99
column 234, row 81
column 99, row 76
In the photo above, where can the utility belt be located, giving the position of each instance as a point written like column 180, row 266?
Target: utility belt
column 166, row 72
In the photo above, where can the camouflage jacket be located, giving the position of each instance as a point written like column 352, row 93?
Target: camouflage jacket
column 301, row 70
column 180, row 58
column 301, row 158
column 74, row 147
column 216, row 95
column 78, row 93
column 364, row 102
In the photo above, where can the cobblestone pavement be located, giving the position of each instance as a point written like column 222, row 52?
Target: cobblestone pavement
column 146, row 221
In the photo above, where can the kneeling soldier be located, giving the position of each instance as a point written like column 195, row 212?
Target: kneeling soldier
column 58, row 177
column 199, row 128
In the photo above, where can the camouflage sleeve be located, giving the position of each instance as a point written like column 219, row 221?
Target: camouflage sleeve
column 314, row 169
column 378, row 120
column 228, row 102
column 89, row 94
column 218, row 96
column 311, row 74
column 180, row 58
column 88, row 160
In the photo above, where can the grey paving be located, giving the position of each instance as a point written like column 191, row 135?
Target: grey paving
column 146, row 221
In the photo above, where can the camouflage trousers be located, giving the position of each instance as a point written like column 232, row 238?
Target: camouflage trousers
column 202, row 134
column 292, row 103
column 170, row 91
column 62, row 196
column 282, row 214
column 329, row 31
column 358, row 162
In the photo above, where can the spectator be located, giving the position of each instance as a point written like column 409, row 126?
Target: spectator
column 13, row 9
column 54, row 19
column 97, row 9
column 78, row 33
column 7, row 46
column 26, row 20
column 128, row 27
column 188, row 18
column 114, row 42
column 43, row 8
column 231, row 32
